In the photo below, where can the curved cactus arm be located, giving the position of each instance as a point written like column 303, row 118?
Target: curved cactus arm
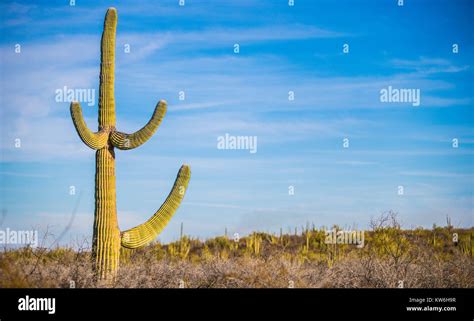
column 93, row 140
column 129, row 141
column 148, row 231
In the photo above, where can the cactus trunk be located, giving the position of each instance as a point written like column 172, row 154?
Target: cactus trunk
column 106, row 234
column 107, row 238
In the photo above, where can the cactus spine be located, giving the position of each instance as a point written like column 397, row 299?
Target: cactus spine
column 107, row 238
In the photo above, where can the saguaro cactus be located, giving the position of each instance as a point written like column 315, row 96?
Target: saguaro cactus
column 107, row 238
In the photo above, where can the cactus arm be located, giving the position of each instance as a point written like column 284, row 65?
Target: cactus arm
column 129, row 141
column 93, row 140
column 148, row 231
column 107, row 70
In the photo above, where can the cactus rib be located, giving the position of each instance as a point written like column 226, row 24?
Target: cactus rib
column 148, row 231
column 95, row 140
column 129, row 141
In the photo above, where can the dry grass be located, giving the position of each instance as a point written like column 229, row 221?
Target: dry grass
column 391, row 257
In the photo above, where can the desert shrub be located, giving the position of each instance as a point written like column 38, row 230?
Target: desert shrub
column 391, row 257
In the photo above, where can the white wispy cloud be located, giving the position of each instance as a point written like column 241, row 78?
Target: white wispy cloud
column 437, row 174
column 427, row 65
column 356, row 163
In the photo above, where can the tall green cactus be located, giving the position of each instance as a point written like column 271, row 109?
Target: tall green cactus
column 107, row 238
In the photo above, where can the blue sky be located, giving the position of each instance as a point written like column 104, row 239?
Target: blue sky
column 300, row 143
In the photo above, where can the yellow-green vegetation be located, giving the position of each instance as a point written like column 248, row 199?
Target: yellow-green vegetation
column 107, row 238
column 253, row 244
column 180, row 249
column 390, row 256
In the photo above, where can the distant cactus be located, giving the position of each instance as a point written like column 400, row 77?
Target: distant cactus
column 107, row 238
column 180, row 249
column 253, row 244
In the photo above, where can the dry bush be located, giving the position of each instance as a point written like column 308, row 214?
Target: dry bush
column 391, row 257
